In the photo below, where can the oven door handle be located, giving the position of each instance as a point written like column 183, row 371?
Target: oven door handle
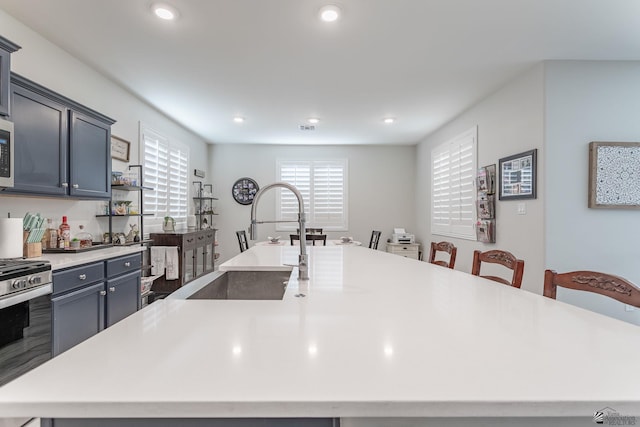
column 25, row 296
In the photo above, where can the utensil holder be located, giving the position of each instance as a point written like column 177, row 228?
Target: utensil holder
column 32, row 250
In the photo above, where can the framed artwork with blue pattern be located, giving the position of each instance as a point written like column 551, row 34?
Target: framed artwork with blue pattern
column 614, row 175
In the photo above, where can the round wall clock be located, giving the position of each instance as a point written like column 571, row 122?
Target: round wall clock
column 244, row 190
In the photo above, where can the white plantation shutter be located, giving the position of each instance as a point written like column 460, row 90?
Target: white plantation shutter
column 453, row 166
column 323, row 185
column 165, row 171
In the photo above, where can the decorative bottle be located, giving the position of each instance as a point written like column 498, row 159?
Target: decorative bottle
column 65, row 233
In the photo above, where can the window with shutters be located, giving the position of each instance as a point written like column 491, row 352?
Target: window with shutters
column 165, row 165
column 323, row 185
column 453, row 166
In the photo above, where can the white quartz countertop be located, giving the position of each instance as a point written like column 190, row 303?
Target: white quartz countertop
column 375, row 335
column 64, row 260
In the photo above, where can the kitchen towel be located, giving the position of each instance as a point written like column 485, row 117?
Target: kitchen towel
column 171, row 262
column 157, row 260
column 11, row 237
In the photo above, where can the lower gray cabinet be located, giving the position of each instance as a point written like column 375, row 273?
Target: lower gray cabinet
column 197, row 422
column 77, row 316
column 88, row 298
column 123, row 297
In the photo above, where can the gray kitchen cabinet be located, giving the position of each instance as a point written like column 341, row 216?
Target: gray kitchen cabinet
column 62, row 148
column 77, row 316
column 90, row 297
column 6, row 49
column 90, row 156
column 41, row 149
column 198, row 422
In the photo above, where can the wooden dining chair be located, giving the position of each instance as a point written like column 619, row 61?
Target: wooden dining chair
column 313, row 238
column 375, row 238
column 615, row 287
column 504, row 258
column 242, row 240
column 447, row 247
column 310, row 230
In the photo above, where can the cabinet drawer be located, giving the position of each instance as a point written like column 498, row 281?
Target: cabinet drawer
column 76, row 277
column 123, row 264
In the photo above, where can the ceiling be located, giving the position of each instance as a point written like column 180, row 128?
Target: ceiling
column 276, row 64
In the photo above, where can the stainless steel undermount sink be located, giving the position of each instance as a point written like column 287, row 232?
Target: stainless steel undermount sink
column 241, row 285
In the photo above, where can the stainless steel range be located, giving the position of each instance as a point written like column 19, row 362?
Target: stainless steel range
column 21, row 275
column 25, row 320
column 25, row 316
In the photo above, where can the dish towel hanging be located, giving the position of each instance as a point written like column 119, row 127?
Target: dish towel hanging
column 171, row 262
column 157, row 260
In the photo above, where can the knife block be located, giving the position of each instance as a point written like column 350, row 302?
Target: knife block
column 31, row 250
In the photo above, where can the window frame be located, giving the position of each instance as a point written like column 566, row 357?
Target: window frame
column 461, row 229
column 182, row 184
column 311, row 201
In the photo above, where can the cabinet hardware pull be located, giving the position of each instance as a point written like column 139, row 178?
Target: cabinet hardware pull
column 103, row 293
column 65, row 184
column 75, row 186
column 127, row 264
column 112, row 289
column 82, row 276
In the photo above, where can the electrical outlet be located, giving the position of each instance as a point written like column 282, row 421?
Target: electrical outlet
column 522, row 209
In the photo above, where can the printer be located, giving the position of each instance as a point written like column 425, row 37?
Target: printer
column 401, row 236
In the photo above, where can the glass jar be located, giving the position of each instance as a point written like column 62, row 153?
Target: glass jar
column 85, row 238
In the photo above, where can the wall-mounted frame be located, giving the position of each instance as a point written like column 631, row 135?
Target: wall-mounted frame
column 518, row 176
column 120, row 148
column 614, row 175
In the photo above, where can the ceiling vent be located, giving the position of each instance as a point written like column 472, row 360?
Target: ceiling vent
column 307, row 127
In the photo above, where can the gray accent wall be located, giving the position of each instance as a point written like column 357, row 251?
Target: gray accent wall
column 589, row 101
column 381, row 188
column 509, row 121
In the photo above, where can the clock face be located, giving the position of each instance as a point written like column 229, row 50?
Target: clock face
column 244, row 190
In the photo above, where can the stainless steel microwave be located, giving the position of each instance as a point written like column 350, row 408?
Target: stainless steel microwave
column 7, row 172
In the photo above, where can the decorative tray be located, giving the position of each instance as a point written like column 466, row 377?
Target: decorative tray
column 76, row 250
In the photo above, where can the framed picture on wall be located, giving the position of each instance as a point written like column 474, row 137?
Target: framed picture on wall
column 518, row 176
column 120, row 148
column 614, row 175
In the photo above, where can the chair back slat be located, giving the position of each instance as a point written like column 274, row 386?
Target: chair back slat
column 447, row 247
column 615, row 287
column 504, row 258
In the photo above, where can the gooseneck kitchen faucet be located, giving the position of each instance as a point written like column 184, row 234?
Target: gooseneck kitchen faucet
column 303, row 267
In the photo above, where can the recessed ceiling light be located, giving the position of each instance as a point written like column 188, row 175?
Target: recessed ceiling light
column 313, row 120
column 389, row 120
column 238, row 119
column 164, row 11
column 330, row 13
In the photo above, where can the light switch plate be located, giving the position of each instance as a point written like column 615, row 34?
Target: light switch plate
column 522, row 209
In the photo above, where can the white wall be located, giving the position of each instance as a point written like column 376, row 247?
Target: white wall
column 589, row 101
column 381, row 188
column 509, row 121
column 46, row 64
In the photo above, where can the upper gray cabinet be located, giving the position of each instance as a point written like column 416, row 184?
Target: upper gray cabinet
column 61, row 147
column 6, row 49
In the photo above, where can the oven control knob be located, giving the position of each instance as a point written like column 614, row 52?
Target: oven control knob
column 19, row 283
column 35, row 280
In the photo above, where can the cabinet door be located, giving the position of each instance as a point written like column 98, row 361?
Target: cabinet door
column 41, row 143
column 5, row 66
column 123, row 297
column 90, row 157
column 77, row 316
column 209, row 253
column 188, row 265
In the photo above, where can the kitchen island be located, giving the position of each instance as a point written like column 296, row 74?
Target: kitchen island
column 372, row 338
